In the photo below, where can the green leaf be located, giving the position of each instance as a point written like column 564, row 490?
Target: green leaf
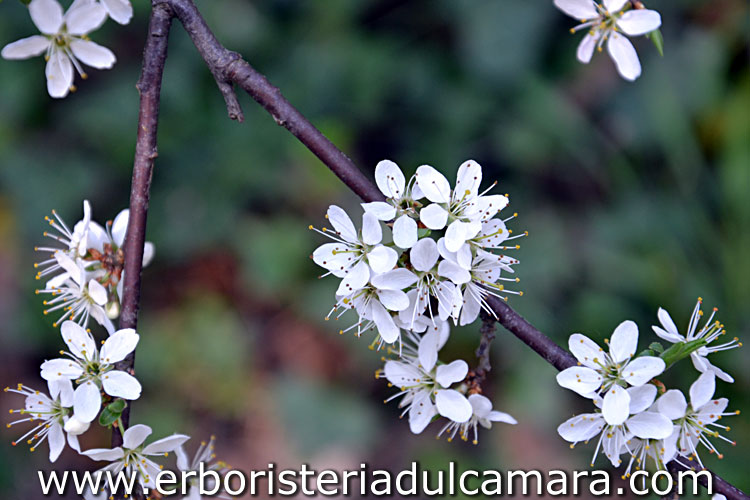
column 117, row 406
column 646, row 352
column 107, row 418
column 681, row 350
column 656, row 347
column 423, row 231
column 658, row 40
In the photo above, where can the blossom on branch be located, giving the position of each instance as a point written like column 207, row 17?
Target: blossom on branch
column 608, row 22
column 482, row 414
column 64, row 42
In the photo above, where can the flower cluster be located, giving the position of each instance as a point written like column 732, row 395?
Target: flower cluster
column 64, row 40
column 630, row 419
column 428, row 254
column 608, row 22
column 83, row 268
column 84, row 275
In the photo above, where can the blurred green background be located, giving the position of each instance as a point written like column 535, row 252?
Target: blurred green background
column 635, row 197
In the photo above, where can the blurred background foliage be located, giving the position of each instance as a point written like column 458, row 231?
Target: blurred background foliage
column 635, row 197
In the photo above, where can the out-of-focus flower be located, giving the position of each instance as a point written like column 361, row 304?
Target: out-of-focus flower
column 53, row 414
column 698, row 421
column 63, row 41
column 204, row 455
column 709, row 332
column 482, row 414
column 133, row 456
column 603, row 371
column 607, row 22
column 119, row 10
column 94, row 369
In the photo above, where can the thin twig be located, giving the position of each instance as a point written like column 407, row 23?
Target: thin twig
column 149, row 86
column 228, row 67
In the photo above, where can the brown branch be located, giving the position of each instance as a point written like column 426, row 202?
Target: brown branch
column 228, row 67
column 149, row 86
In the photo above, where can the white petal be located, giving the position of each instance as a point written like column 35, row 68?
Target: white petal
column 63, row 390
column 55, row 369
column 165, row 445
column 421, row 412
column 616, row 405
column 59, row 72
column 702, row 390
column 468, row 179
column 580, row 379
column 71, row 267
column 401, row 374
column 614, row 6
column 586, row 351
column 396, row 279
column 387, row 329
column 424, row 254
column 463, row 256
column 86, row 401
column 711, row 411
column 78, row 340
column 393, row 300
column 427, row 350
column 97, row 292
column 456, row 235
column 380, row 209
column 93, row 54
column 405, row 232
column 454, row 272
column 668, row 336
column 433, row 216
column 650, row 425
column 105, row 454
column 581, row 427
column 624, row 341
column 372, row 233
column 119, row 345
column 666, row 322
column 481, row 405
column 433, row 184
column 501, row 416
column 119, row 10
column 641, row 397
column 56, row 438
column 148, row 253
column 721, row 374
column 471, row 306
column 333, row 256
column 47, row 15
column 492, row 234
column 672, row 404
column 453, row 405
column 356, row 278
column 120, row 227
column 642, row 369
column 587, row 46
column 578, row 9
column 382, row 258
column 639, row 22
column 624, row 55
column 342, row 223
column 75, row 427
column 390, row 179
column 26, row 47
column 121, row 385
column 488, row 206
column 84, row 17
column 135, row 436
column 451, row 373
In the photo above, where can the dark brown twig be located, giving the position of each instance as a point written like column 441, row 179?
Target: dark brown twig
column 149, row 86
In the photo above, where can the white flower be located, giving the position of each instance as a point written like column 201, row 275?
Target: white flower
column 375, row 301
column 63, row 41
column 660, row 451
column 614, row 435
column 710, row 331
column 482, row 414
column 354, row 254
column 697, row 421
column 93, row 369
column 79, row 296
column 606, row 22
column 603, row 371
column 425, row 385
column 204, row 455
column 400, row 205
column 53, row 414
column 119, row 10
column 133, row 456
column 462, row 209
